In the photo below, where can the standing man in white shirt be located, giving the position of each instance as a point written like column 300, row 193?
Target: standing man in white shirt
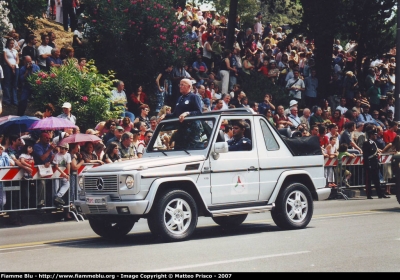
column 44, row 51
column 119, row 101
column 295, row 86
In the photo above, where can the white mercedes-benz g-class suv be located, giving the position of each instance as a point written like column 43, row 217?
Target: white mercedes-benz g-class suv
column 187, row 171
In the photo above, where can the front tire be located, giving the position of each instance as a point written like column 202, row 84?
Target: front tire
column 174, row 216
column 293, row 207
column 230, row 221
column 111, row 230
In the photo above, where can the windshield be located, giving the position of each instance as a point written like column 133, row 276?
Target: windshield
column 188, row 135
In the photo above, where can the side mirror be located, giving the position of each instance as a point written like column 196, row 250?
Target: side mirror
column 219, row 147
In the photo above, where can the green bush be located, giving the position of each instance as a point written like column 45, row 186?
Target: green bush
column 88, row 91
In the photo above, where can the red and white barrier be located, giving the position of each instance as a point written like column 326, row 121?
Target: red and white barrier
column 15, row 173
column 358, row 160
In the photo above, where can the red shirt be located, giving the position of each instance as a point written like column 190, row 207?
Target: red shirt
column 323, row 140
column 388, row 136
column 340, row 123
column 264, row 70
column 141, row 100
column 208, row 93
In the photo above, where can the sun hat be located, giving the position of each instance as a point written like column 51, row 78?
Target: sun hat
column 293, row 102
column 67, row 105
column 64, row 145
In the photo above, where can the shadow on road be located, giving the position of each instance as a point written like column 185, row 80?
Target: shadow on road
column 147, row 238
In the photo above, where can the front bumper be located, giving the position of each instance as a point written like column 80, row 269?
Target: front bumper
column 113, row 207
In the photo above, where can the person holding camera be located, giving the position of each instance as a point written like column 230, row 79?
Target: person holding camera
column 26, row 91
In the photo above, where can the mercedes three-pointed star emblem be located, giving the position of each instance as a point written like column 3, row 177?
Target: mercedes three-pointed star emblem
column 100, row 184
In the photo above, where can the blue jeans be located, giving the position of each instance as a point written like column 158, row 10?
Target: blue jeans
column 232, row 81
column 23, row 101
column 10, row 85
column 128, row 114
column 2, row 196
column 160, row 95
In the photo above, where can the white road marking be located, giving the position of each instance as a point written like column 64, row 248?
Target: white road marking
column 227, row 261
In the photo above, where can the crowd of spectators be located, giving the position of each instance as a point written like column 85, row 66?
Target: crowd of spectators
column 339, row 120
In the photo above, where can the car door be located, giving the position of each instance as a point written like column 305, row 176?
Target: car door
column 274, row 158
column 235, row 174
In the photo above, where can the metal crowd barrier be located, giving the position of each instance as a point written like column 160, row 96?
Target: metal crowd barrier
column 24, row 195
column 356, row 168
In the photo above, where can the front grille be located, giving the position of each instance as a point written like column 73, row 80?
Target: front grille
column 97, row 209
column 110, row 184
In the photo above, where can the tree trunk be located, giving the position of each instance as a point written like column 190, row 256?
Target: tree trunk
column 319, row 17
column 323, row 62
column 360, row 55
column 230, row 34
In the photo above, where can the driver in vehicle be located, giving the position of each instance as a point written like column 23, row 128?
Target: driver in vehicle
column 238, row 141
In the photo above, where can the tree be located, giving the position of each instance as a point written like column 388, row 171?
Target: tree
column 321, row 21
column 23, row 12
column 368, row 23
column 278, row 12
column 365, row 21
column 137, row 38
column 5, row 24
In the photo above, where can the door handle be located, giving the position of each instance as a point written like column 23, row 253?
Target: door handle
column 252, row 168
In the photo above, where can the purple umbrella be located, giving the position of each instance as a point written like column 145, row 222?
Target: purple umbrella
column 79, row 138
column 52, row 123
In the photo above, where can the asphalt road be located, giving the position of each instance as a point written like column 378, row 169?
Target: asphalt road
column 356, row 235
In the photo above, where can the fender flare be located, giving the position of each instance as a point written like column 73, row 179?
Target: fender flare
column 156, row 184
column 281, row 180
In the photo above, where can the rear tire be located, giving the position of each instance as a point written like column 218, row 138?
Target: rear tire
column 293, row 207
column 230, row 221
column 111, row 230
column 174, row 216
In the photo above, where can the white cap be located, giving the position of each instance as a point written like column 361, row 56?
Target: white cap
column 67, row 105
column 293, row 102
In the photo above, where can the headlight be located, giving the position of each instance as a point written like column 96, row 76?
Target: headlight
column 129, row 182
column 80, row 182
